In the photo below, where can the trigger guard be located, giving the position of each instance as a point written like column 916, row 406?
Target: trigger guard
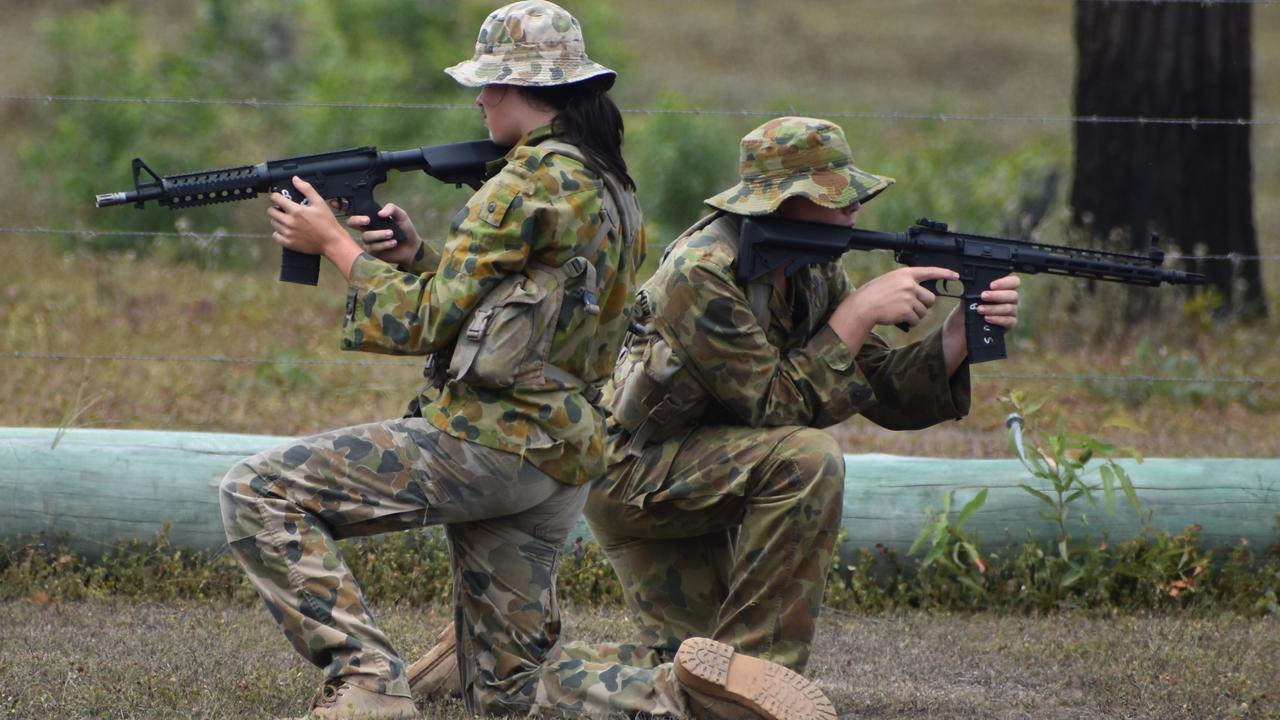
column 944, row 288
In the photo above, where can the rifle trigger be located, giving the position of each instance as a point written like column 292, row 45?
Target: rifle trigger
column 945, row 288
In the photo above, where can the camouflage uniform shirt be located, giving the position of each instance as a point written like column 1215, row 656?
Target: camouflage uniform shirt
column 795, row 371
column 541, row 207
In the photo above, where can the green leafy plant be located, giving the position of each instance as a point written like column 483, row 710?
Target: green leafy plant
column 869, row 580
column 950, row 547
column 1061, row 463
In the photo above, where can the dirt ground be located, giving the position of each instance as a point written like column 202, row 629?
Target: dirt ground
column 215, row 661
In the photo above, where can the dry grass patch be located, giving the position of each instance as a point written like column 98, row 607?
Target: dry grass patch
column 214, row 661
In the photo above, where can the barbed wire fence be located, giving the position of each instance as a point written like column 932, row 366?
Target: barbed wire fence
column 889, row 116
column 886, row 116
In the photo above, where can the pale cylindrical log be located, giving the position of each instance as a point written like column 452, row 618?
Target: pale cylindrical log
column 886, row 498
column 97, row 487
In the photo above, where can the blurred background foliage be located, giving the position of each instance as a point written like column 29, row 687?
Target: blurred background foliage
column 238, row 82
column 323, row 74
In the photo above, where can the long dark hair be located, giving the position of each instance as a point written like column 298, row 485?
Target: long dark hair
column 587, row 117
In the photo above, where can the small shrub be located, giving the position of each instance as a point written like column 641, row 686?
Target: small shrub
column 1185, row 378
column 1160, row 571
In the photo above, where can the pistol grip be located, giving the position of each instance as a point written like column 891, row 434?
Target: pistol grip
column 364, row 204
column 381, row 223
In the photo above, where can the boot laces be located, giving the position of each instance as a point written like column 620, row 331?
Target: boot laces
column 329, row 693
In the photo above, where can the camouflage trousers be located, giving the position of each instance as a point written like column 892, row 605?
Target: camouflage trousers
column 727, row 533
column 506, row 523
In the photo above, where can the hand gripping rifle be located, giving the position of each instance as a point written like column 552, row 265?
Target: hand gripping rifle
column 768, row 243
column 348, row 176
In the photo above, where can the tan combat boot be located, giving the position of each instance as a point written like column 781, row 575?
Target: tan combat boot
column 340, row 700
column 435, row 675
column 722, row 683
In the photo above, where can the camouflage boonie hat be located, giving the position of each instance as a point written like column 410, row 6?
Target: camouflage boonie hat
column 797, row 157
column 532, row 43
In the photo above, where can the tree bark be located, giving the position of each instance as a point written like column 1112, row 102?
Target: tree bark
column 1191, row 183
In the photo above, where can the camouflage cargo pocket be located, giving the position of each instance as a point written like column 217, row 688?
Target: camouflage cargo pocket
column 507, row 339
column 652, row 394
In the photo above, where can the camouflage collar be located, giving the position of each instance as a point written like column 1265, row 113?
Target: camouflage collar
column 534, row 136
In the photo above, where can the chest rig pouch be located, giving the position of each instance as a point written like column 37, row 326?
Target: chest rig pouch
column 654, row 396
column 506, row 341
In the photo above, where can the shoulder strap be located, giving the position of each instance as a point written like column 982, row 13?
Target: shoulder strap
column 758, row 294
column 758, row 291
column 621, row 213
column 620, row 207
column 696, row 227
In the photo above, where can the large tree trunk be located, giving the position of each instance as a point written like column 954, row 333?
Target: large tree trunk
column 1191, row 183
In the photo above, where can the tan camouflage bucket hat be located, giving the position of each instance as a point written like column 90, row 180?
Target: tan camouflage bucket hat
column 533, row 43
column 797, row 156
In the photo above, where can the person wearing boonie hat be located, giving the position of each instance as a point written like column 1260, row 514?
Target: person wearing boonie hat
column 723, row 500
column 531, row 43
column 722, row 503
column 522, row 311
column 797, row 157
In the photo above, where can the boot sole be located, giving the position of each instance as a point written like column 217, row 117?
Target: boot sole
column 716, row 670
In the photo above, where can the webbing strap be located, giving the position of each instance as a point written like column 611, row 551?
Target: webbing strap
column 758, row 295
column 589, row 391
column 581, row 264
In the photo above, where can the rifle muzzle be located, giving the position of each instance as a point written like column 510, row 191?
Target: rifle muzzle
column 115, row 198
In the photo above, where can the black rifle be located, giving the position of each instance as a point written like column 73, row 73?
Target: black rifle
column 768, row 243
column 348, row 176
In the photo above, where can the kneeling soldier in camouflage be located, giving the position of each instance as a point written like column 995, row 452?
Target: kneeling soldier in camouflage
column 721, row 506
column 722, row 503
column 523, row 312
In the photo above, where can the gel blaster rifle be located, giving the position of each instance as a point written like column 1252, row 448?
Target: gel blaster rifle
column 346, row 176
column 768, row 243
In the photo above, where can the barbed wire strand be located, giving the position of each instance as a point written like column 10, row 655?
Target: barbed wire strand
column 92, row 233
column 290, row 361
column 846, row 115
column 1190, row 2
column 195, row 359
column 218, row 235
